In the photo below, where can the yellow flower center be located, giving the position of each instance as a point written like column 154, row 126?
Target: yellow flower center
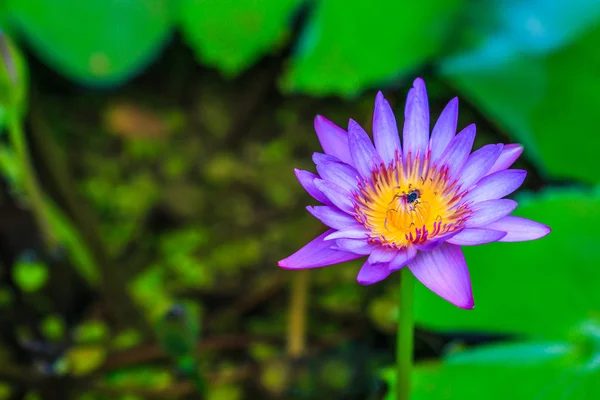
column 412, row 203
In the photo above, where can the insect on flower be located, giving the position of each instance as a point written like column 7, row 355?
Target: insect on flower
column 412, row 196
column 411, row 204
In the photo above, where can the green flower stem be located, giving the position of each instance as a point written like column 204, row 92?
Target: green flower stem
column 31, row 185
column 404, row 335
column 296, row 341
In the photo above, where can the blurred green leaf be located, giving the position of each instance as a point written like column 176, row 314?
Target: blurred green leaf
column 140, row 377
column 6, row 296
column 94, row 42
column 275, row 377
column 350, row 45
column 232, row 34
column 32, row 395
column 92, row 331
column 183, row 241
column 5, row 391
column 126, row 202
column 224, row 392
column 14, row 80
column 383, row 312
column 126, row 339
column 30, row 274
column 338, row 374
column 82, row 360
column 68, row 236
column 9, row 165
column 178, row 332
column 263, row 351
column 545, row 288
column 534, row 70
column 149, row 291
column 179, row 329
column 53, row 327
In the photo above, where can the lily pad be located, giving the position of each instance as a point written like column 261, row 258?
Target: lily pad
column 534, row 71
column 232, row 34
column 475, row 382
column 546, row 288
column 94, row 42
column 519, row 371
column 350, row 45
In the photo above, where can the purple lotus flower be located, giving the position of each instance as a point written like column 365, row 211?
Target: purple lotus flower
column 412, row 205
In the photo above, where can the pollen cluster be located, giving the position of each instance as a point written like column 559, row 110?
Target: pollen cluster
column 409, row 202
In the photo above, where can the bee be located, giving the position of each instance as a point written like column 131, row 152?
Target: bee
column 413, row 196
column 410, row 199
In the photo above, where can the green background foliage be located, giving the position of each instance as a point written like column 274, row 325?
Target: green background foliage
column 147, row 160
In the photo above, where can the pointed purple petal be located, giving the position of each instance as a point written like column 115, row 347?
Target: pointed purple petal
column 341, row 174
column 431, row 245
column 372, row 273
column 444, row 129
column 317, row 253
column 478, row 163
column 489, row 211
column 416, row 123
column 403, row 257
column 509, row 155
column 419, row 85
column 519, row 229
column 496, row 186
column 334, row 139
column 444, row 271
column 336, row 194
column 358, row 246
column 307, row 180
column 364, row 157
column 320, row 158
column 436, row 241
column 381, row 255
column 355, row 231
column 332, row 216
column 457, row 152
column 385, row 130
column 476, row 236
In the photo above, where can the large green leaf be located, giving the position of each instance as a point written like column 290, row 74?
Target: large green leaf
column 544, row 288
column 534, row 71
column 494, row 382
column 349, row 45
column 95, row 42
column 232, row 34
column 525, row 370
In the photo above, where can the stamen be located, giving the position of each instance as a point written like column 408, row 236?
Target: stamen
column 409, row 203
